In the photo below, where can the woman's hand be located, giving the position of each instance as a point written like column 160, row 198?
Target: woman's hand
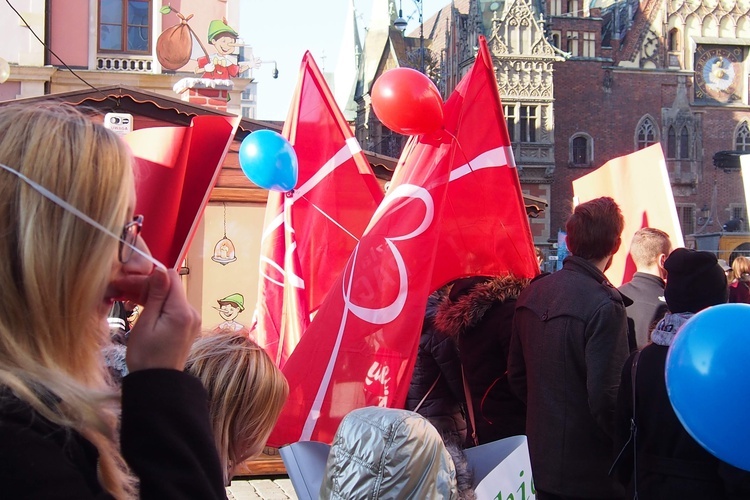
column 166, row 328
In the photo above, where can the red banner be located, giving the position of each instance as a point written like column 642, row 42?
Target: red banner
column 309, row 234
column 454, row 209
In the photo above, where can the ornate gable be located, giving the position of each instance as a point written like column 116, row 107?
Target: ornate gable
column 636, row 38
column 523, row 56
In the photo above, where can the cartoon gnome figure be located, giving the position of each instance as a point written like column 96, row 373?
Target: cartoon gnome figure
column 229, row 308
column 222, row 65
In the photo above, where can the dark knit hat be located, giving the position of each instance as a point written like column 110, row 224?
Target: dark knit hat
column 695, row 280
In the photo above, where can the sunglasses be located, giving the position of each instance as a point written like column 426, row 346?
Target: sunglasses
column 130, row 231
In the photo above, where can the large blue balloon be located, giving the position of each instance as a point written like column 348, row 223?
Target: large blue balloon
column 268, row 160
column 708, row 381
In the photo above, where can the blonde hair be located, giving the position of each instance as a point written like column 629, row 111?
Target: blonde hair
column 647, row 244
column 54, row 269
column 246, row 393
column 740, row 266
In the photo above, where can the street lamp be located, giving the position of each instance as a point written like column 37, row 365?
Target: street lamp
column 704, row 218
column 255, row 62
column 400, row 23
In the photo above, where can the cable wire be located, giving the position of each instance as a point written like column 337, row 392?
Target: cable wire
column 117, row 99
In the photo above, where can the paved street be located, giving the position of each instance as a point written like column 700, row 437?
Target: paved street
column 266, row 489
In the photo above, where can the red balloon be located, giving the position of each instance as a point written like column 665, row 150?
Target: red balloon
column 407, row 102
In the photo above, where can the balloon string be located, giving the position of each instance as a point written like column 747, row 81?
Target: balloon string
column 468, row 163
column 482, row 187
column 73, row 210
column 290, row 194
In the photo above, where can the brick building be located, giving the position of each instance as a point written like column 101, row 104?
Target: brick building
column 582, row 83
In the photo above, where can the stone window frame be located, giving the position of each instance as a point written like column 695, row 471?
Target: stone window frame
column 686, row 215
column 678, row 146
column 742, row 136
column 646, row 120
column 515, row 119
column 589, row 150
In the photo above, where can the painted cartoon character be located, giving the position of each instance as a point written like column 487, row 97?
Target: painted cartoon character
column 229, row 308
column 222, row 65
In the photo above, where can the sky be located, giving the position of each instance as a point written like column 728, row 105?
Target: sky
column 282, row 31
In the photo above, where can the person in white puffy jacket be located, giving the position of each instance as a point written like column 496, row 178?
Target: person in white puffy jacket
column 380, row 453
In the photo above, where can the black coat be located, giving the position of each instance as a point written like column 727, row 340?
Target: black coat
column 166, row 439
column 648, row 307
column 443, row 406
column 569, row 342
column 479, row 314
column 438, row 363
column 670, row 463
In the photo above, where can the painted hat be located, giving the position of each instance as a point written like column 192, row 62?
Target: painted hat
column 218, row 27
column 236, row 299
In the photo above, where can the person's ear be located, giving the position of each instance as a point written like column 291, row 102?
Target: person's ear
column 662, row 260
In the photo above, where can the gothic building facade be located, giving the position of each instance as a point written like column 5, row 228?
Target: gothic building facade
column 584, row 82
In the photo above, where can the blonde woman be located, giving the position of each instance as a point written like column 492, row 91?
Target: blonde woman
column 69, row 249
column 246, row 392
column 739, row 289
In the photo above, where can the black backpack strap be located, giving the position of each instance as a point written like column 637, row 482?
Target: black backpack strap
column 633, row 427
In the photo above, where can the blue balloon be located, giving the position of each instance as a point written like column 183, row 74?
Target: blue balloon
column 708, row 381
column 269, row 161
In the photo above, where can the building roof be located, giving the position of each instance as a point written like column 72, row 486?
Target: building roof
column 161, row 108
column 436, row 27
column 125, row 99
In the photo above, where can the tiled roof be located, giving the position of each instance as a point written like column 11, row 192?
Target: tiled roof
column 436, row 27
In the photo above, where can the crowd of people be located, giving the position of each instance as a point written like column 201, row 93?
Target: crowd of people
column 561, row 353
column 156, row 409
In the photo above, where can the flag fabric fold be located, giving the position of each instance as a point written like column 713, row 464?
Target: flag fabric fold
column 309, row 233
column 176, row 169
column 454, row 209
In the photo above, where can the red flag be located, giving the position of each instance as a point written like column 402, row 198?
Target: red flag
column 309, row 234
column 454, row 208
column 176, row 169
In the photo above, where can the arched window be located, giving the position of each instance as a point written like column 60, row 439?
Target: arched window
column 671, row 143
column 556, row 39
column 645, row 133
column 684, row 144
column 742, row 138
column 581, row 153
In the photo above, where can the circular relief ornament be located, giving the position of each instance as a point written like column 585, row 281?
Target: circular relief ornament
column 718, row 70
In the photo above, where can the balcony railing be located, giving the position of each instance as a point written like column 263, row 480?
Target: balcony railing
column 121, row 63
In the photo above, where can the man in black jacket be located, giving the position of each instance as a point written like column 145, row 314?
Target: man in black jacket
column 648, row 249
column 569, row 341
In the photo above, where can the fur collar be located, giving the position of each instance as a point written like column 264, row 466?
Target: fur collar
column 464, row 474
column 456, row 317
